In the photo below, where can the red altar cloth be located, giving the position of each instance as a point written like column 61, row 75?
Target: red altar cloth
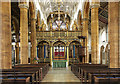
column 59, row 53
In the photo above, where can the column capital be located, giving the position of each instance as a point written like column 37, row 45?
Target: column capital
column 23, row 6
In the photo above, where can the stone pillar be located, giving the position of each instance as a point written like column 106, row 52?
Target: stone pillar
column 33, row 39
column 5, row 36
column 51, row 48
column 23, row 32
column 119, row 34
column 95, row 33
column 85, row 33
column 113, row 28
column 67, row 55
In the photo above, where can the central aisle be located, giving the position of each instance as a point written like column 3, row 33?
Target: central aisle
column 60, row 75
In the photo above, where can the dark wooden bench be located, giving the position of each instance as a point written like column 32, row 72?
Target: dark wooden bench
column 105, row 72
column 34, row 71
column 84, row 71
column 19, row 74
column 43, row 68
column 114, row 79
column 26, row 71
column 76, row 68
column 13, row 80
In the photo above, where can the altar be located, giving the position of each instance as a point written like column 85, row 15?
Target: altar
column 59, row 63
column 59, row 59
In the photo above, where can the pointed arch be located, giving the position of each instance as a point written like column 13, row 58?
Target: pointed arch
column 59, row 42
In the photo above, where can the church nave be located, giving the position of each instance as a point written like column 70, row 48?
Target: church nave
column 54, row 41
column 60, row 75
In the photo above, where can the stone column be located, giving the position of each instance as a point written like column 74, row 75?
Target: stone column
column 51, row 48
column 95, row 33
column 119, row 34
column 5, row 36
column 24, row 32
column 113, row 28
column 85, row 33
column 33, row 39
column 67, row 55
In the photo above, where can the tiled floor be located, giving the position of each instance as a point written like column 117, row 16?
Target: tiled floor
column 60, row 75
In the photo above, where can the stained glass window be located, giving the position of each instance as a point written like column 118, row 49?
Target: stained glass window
column 59, row 24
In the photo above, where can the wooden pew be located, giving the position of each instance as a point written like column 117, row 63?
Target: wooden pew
column 82, row 71
column 85, row 72
column 78, row 67
column 25, row 70
column 43, row 68
column 114, row 79
column 18, row 74
column 12, row 80
column 105, row 72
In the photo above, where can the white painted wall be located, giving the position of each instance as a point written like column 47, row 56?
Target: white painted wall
column 103, row 39
column 89, row 42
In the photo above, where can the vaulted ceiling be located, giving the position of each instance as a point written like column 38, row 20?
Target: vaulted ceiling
column 68, row 7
